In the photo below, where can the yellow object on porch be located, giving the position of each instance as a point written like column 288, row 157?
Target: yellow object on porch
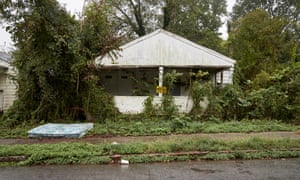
column 161, row 89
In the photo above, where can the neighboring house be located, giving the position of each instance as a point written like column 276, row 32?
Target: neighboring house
column 141, row 64
column 7, row 85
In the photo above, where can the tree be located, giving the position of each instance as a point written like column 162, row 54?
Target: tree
column 134, row 18
column 46, row 50
column 97, row 39
column 284, row 8
column 52, row 58
column 195, row 20
column 261, row 42
column 278, row 97
column 288, row 9
column 97, row 35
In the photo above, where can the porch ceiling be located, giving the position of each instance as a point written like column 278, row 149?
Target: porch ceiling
column 115, row 66
column 3, row 66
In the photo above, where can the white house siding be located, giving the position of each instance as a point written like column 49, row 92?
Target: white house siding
column 227, row 76
column 8, row 91
column 135, row 104
column 7, row 85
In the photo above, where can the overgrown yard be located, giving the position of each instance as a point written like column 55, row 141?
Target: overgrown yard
column 181, row 126
column 164, row 127
column 156, row 151
column 178, row 147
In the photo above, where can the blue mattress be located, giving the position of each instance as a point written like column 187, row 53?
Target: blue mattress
column 61, row 130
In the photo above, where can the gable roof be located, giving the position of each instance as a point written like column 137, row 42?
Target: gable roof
column 163, row 48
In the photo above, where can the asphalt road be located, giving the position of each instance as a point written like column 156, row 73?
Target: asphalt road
column 253, row 169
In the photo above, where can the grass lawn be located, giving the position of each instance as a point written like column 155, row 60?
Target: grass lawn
column 156, row 151
column 135, row 127
column 165, row 150
column 162, row 127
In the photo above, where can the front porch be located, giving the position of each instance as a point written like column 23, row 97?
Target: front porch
column 143, row 81
column 140, row 65
column 131, row 86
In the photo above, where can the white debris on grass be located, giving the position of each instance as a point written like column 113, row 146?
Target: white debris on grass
column 124, row 162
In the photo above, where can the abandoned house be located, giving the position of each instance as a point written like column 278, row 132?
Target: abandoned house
column 141, row 64
column 7, row 85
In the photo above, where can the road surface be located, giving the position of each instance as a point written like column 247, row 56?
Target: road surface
column 253, row 169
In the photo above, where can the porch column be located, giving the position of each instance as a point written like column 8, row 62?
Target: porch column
column 222, row 79
column 160, row 79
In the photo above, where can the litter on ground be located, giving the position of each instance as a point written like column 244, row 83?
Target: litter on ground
column 61, row 130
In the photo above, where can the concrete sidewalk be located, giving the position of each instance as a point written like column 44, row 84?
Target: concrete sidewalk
column 128, row 139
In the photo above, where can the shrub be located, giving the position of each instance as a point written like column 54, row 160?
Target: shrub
column 98, row 104
column 168, row 107
column 233, row 103
column 179, row 122
column 149, row 109
column 268, row 103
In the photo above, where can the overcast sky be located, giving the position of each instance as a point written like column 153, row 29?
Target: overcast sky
column 75, row 6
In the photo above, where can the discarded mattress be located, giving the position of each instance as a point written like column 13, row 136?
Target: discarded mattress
column 61, row 130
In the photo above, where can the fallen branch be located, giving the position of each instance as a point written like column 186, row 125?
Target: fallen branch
column 13, row 158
